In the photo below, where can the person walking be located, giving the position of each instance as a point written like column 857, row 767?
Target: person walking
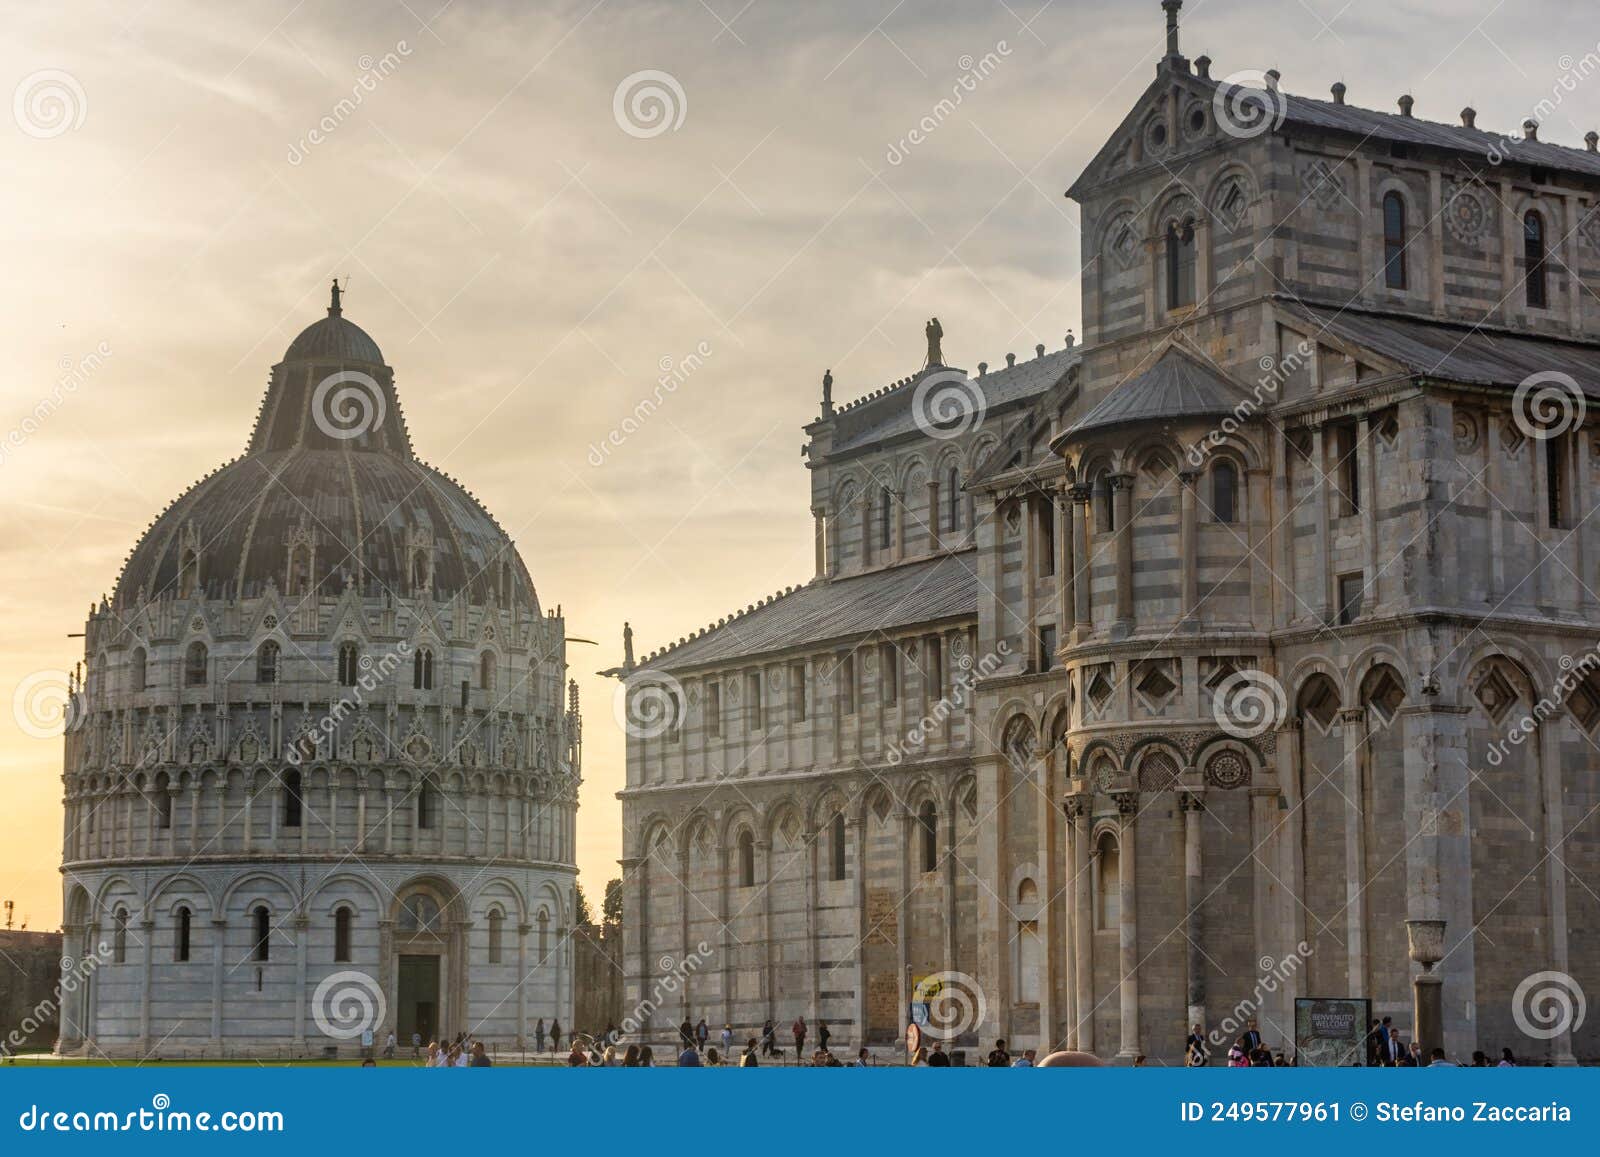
column 798, row 1028
column 555, row 1036
column 768, row 1039
column 388, row 1046
column 727, row 1040
column 416, row 1045
column 702, row 1033
column 1195, row 1052
column 685, row 1035
column 822, row 1035
column 538, row 1035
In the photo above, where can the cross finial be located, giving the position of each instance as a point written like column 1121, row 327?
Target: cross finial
column 333, row 309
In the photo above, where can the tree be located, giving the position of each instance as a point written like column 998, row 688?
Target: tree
column 584, row 915
column 611, row 909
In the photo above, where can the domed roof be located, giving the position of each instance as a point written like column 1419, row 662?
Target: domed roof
column 334, row 338
column 328, row 495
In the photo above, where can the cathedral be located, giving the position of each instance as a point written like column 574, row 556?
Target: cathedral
column 1242, row 651
column 321, row 780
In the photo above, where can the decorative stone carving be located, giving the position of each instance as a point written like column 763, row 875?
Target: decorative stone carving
column 1466, row 212
column 1227, row 769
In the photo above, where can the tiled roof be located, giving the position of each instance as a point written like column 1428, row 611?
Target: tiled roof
column 1388, row 126
column 1178, row 385
column 888, row 414
column 918, row 592
column 1458, row 353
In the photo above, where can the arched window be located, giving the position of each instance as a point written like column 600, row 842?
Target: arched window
column 747, row 860
column 1224, row 491
column 544, row 935
column 1108, row 865
column 1105, row 518
column 486, row 671
column 349, row 663
column 293, row 800
column 422, row 670
column 1533, row 253
column 119, row 941
column 836, row 838
column 928, row 822
column 341, row 935
column 1030, row 950
column 194, row 665
column 425, row 805
column 136, row 669
column 163, row 801
column 1394, row 240
column 1180, row 264
column 496, row 919
column 188, row 574
column 263, row 933
column 952, row 498
column 180, row 945
column 267, row 662
column 885, row 518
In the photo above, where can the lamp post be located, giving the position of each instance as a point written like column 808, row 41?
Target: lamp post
column 1426, row 941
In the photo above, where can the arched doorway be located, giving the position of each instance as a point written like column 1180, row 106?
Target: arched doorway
column 429, row 967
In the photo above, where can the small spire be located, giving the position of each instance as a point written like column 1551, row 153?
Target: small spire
column 334, row 309
column 1338, row 92
column 1171, row 8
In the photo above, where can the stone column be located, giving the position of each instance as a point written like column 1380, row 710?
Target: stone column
column 1353, row 722
column 1082, row 617
column 819, row 519
column 147, row 929
column 1319, row 546
column 902, row 938
column 1082, row 922
column 1188, row 546
column 1122, row 515
column 723, row 888
column 1439, row 855
column 933, row 514
column 194, row 815
column 684, row 948
column 1555, row 866
column 809, row 866
column 219, row 940
column 522, row 986
column 1063, row 508
column 302, row 925
column 1049, row 853
column 1366, row 474
column 1192, row 804
column 857, row 829
column 770, row 964
column 1128, row 932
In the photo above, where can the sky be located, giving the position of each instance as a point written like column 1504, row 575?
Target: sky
column 542, row 209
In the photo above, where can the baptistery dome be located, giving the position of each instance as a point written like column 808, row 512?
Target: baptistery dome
column 323, row 776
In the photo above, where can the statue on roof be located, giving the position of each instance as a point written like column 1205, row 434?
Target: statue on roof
column 935, row 334
column 627, row 647
column 827, row 392
column 334, row 309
